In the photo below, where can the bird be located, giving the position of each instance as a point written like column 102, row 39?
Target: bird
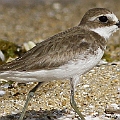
column 66, row 55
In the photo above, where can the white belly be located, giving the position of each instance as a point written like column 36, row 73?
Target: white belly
column 75, row 67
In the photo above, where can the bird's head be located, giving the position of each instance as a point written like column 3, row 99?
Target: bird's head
column 101, row 21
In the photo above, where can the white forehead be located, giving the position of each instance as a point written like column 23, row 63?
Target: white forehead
column 111, row 17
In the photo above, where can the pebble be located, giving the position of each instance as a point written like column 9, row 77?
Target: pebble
column 2, row 57
column 2, row 93
column 29, row 45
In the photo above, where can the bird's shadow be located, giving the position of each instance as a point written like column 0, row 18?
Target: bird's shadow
column 53, row 114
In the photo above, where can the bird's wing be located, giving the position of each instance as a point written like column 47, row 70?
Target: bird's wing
column 51, row 53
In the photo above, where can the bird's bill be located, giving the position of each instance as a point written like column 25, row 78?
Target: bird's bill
column 118, row 24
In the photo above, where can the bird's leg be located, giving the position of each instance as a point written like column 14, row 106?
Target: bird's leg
column 29, row 96
column 72, row 101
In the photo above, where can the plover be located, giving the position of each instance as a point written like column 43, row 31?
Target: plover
column 66, row 55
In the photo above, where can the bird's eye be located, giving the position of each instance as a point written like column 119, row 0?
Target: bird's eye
column 103, row 18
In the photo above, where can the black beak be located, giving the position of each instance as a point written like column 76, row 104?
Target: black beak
column 118, row 24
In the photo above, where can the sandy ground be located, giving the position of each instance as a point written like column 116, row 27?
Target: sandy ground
column 99, row 89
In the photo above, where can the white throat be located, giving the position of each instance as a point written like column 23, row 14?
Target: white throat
column 106, row 31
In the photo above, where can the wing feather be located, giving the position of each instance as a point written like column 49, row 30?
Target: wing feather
column 53, row 52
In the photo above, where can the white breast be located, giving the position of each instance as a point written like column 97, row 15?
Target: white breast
column 74, row 67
